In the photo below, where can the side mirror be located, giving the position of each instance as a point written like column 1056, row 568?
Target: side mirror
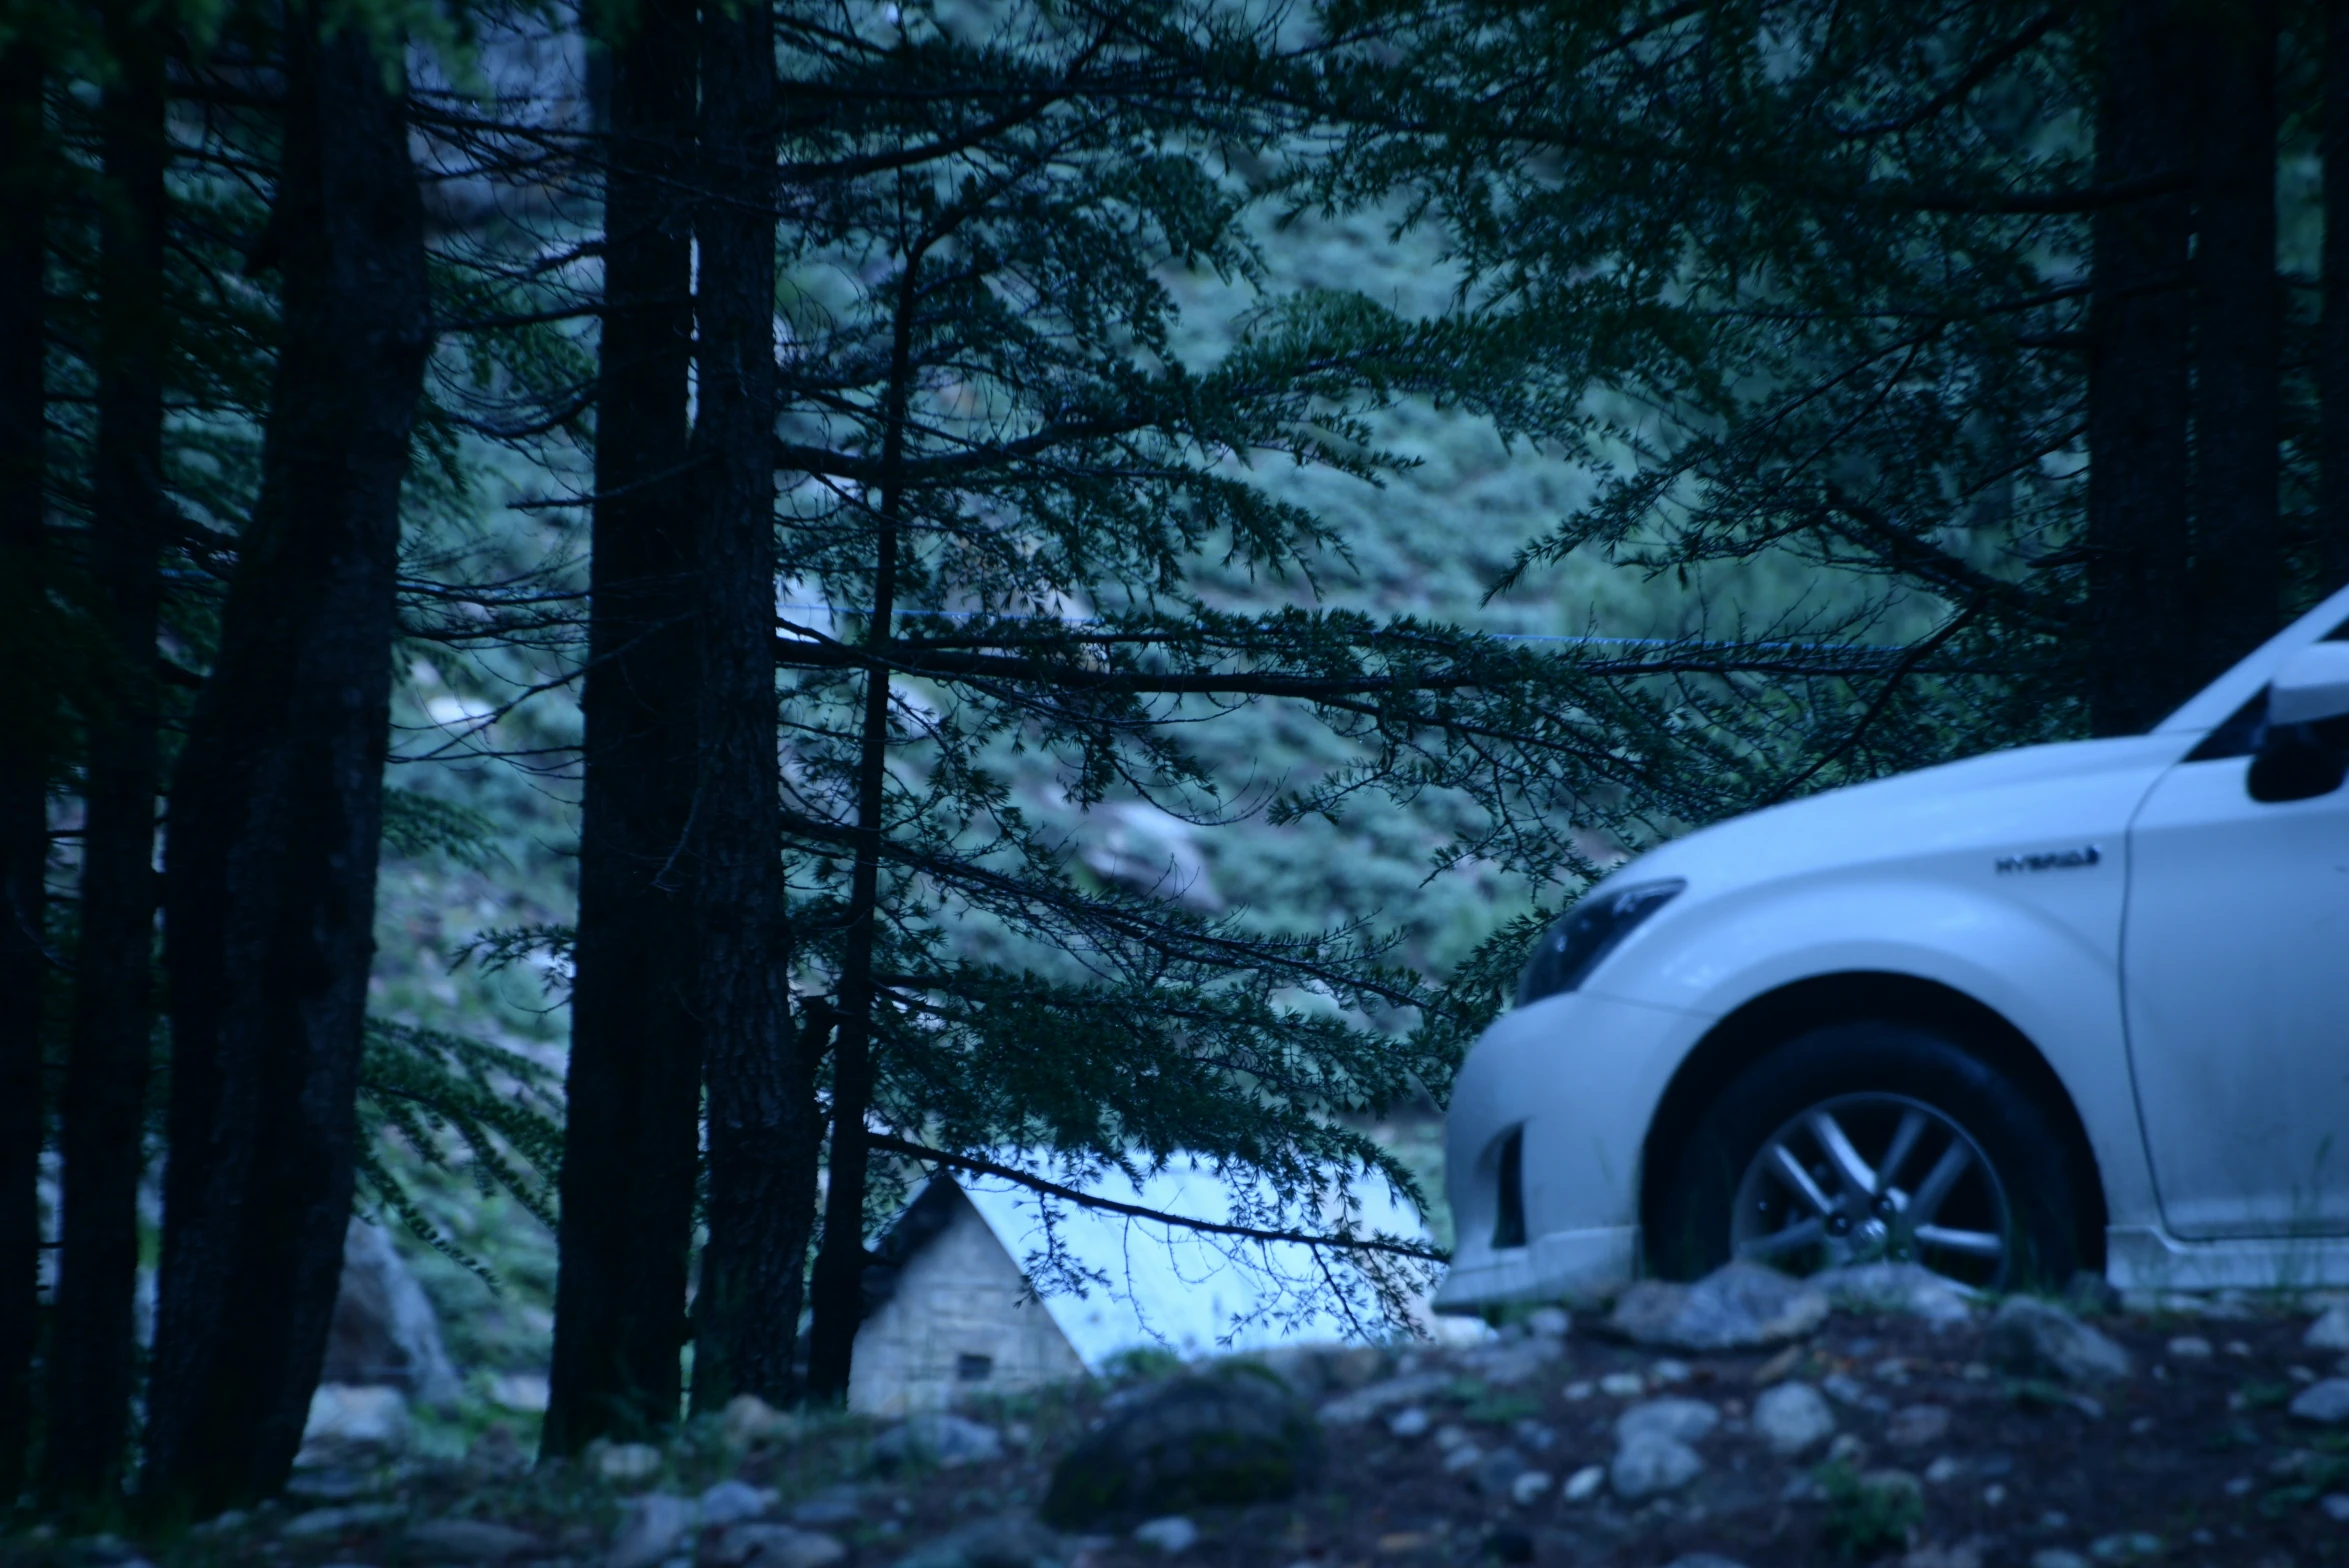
column 2302, row 755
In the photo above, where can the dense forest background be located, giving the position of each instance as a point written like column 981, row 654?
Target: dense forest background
column 621, row 631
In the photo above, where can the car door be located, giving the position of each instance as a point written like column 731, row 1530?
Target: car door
column 2235, row 981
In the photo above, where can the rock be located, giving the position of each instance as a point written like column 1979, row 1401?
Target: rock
column 1170, row 1535
column 353, row 1425
column 2326, row 1401
column 834, row 1505
column 1623, row 1385
column 2188, row 1347
column 2336, row 1507
column 1681, row 1420
column 1791, row 1417
column 730, row 1502
column 328, row 1523
column 1584, row 1484
column 1944, row 1470
column 1894, row 1287
column 2132, row 1546
column 527, row 1392
column 940, row 1439
column 1366, row 1404
column 1411, row 1422
column 471, row 1540
column 1008, row 1541
column 1847, row 1449
column 1496, row 1472
column 2330, row 1331
column 1529, row 1485
column 1917, row 1426
column 384, row 1331
column 749, row 1544
column 1740, row 1306
column 1651, row 1466
column 627, row 1463
column 1704, row 1560
column 1512, row 1361
column 2057, row 1557
column 748, row 1420
column 651, row 1528
column 2034, row 1339
column 1553, row 1322
column 1460, row 1457
column 1236, row 1437
column 1664, row 1369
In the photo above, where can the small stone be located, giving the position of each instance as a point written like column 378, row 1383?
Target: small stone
column 1652, row 1465
column 1704, row 1560
column 1792, row 1417
column 1448, row 1438
column 1961, row 1554
column 353, row 1423
column 2336, row 1507
column 2236, row 1347
column 1461, row 1457
column 1847, row 1449
column 1529, row 1485
column 1584, row 1483
column 832, row 1507
column 1553, row 1323
column 1779, row 1366
column 2055, row 1519
column 2326, row 1402
column 324, row 1523
column 1623, row 1385
column 1917, row 1426
column 1667, row 1370
column 2300, row 1374
column 2239, row 1486
column 471, row 1540
column 1739, row 1306
column 2057, row 1557
column 1170, row 1535
column 2034, row 1339
column 1006, row 1541
column 1513, row 1361
column 627, row 1463
column 1894, row 1287
column 750, row 1544
column 1845, row 1389
column 732, row 1501
column 1578, row 1392
column 1944, row 1470
column 2125, row 1547
column 1375, row 1399
column 938, row 1438
column 2330, row 1331
column 1681, row 1420
column 1994, row 1494
column 2188, row 1347
column 654, row 1526
column 1412, row 1422
column 748, row 1419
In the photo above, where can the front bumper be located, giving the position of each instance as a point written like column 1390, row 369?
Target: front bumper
column 1581, row 1074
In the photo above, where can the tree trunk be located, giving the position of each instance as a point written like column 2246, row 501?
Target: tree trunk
column 762, row 1124
column 26, row 717
column 840, row 1266
column 2333, row 332
column 2137, row 383
column 89, row 1371
column 2238, row 339
column 632, row 1133
column 276, row 807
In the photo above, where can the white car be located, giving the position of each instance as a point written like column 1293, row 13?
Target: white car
column 2070, row 1006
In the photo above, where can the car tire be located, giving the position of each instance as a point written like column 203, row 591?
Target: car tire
column 1784, row 1111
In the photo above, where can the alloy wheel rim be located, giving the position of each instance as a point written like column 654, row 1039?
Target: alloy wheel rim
column 1874, row 1178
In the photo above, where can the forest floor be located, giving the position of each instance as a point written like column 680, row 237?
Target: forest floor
column 1894, row 1439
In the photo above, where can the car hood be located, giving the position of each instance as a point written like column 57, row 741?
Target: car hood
column 2032, row 800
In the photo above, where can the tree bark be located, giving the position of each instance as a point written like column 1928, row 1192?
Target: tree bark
column 26, row 717
column 276, row 806
column 2333, row 330
column 840, row 1265
column 89, row 1369
column 2238, row 340
column 2137, row 530
column 631, row 1145
column 762, row 1123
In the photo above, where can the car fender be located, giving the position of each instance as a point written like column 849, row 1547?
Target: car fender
column 2043, row 957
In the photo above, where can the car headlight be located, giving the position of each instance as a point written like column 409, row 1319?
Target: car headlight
column 1588, row 932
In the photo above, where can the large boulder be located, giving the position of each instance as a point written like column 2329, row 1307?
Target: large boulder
column 1739, row 1306
column 1238, row 1436
column 384, row 1331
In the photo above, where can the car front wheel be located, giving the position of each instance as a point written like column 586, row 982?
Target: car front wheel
column 1868, row 1143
